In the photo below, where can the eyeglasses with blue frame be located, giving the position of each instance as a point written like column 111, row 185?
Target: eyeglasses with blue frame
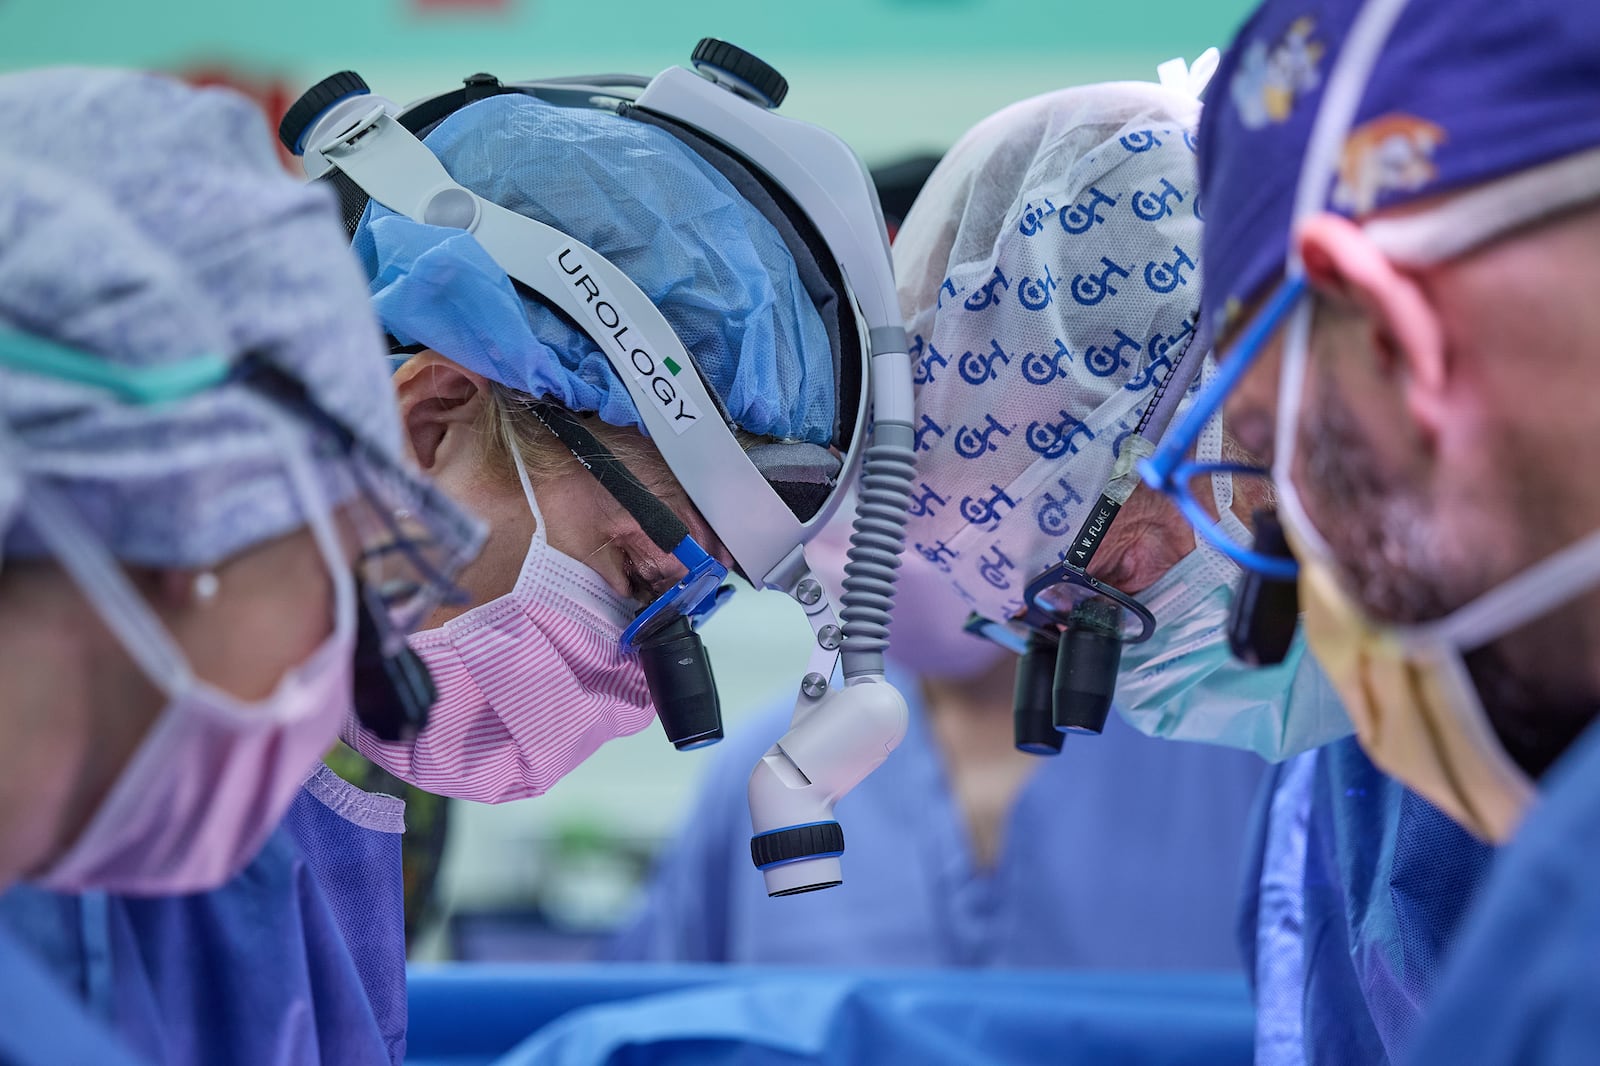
column 1172, row 471
column 696, row 596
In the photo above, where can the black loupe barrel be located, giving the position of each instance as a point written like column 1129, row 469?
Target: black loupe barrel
column 393, row 692
column 1086, row 667
column 1265, row 611
column 1033, row 702
column 681, row 686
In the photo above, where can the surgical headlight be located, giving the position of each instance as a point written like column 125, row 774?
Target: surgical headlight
column 760, row 508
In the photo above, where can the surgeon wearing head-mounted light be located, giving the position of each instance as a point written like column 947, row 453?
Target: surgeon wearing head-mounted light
column 644, row 326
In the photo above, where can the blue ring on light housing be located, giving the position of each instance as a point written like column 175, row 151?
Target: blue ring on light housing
column 1169, row 469
column 697, row 595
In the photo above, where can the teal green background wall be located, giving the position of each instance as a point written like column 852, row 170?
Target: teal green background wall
column 321, row 32
column 889, row 75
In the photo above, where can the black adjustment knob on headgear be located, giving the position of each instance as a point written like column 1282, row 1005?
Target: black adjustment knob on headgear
column 1033, row 701
column 1086, row 667
column 1265, row 611
column 480, row 86
column 742, row 68
column 304, row 112
column 681, row 685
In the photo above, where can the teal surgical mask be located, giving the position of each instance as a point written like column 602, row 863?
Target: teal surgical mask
column 1184, row 684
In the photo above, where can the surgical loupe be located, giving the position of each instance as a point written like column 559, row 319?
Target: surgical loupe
column 663, row 634
column 370, row 150
column 1073, row 624
column 1266, row 609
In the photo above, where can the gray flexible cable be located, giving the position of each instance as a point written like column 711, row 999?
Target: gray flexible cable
column 876, row 542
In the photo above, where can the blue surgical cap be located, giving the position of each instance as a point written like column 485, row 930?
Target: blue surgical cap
column 712, row 263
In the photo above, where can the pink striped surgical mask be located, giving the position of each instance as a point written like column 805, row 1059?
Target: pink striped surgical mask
column 545, row 662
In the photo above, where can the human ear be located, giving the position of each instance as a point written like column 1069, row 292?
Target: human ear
column 440, row 403
column 1344, row 266
column 174, row 590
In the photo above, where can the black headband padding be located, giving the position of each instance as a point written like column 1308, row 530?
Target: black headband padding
column 804, row 498
column 352, row 199
column 421, row 118
column 665, row 529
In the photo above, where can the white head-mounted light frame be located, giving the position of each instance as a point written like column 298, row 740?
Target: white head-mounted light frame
column 838, row 736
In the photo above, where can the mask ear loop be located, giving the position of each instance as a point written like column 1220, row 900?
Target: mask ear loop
column 1291, row 390
column 1335, row 116
column 102, row 581
column 607, row 605
column 127, row 614
column 1208, row 449
column 539, row 532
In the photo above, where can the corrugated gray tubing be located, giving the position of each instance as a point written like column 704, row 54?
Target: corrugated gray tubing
column 875, row 545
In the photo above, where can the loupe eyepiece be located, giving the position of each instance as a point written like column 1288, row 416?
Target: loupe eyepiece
column 681, row 685
column 1265, row 611
column 1086, row 666
column 1033, row 702
column 393, row 691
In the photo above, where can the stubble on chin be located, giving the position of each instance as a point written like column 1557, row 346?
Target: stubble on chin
column 1382, row 533
column 1405, row 566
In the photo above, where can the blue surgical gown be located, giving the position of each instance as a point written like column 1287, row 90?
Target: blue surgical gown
column 1121, row 852
column 42, row 1023
column 1523, row 984
column 298, row 961
column 1384, row 882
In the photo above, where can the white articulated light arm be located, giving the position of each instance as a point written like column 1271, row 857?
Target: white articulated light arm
column 398, row 171
column 837, row 737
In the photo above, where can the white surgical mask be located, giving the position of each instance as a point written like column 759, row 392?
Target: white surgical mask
column 215, row 774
